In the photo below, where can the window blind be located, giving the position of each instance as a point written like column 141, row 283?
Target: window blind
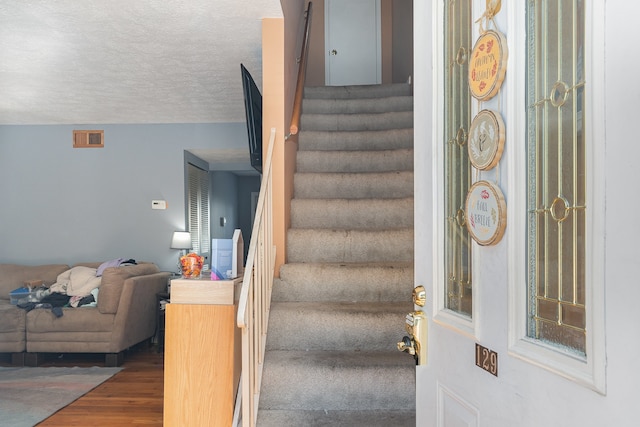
column 199, row 209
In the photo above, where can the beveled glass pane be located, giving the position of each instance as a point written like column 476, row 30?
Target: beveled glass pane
column 457, row 170
column 556, row 173
column 548, row 309
column 573, row 315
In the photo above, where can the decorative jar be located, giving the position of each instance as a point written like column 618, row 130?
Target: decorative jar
column 191, row 265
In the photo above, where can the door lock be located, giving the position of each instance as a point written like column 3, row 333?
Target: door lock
column 416, row 342
column 333, row 52
column 407, row 345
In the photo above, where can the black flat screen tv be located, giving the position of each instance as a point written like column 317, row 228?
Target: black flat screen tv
column 253, row 109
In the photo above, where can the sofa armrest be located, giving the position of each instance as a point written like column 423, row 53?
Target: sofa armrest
column 135, row 318
column 112, row 283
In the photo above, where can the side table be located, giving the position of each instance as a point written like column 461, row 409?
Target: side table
column 202, row 361
column 160, row 318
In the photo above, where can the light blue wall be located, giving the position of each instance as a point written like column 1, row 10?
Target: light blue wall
column 231, row 198
column 64, row 205
column 224, row 204
column 246, row 185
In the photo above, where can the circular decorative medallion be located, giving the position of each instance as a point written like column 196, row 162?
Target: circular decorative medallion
column 486, row 139
column 488, row 65
column 486, row 213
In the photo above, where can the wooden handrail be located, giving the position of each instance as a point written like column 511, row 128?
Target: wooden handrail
column 255, row 298
column 255, row 295
column 302, row 74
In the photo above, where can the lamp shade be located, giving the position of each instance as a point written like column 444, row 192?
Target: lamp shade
column 181, row 240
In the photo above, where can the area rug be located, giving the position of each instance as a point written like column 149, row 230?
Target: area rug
column 30, row 395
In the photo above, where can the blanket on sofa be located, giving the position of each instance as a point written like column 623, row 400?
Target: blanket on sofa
column 77, row 281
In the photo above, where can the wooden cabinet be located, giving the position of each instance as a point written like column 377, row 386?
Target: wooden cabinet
column 202, row 353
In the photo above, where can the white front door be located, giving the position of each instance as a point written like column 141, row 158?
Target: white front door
column 559, row 224
column 352, row 42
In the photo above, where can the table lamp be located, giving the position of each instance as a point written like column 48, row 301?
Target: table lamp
column 181, row 240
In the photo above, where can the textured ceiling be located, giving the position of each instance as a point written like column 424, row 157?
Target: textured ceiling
column 128, row 61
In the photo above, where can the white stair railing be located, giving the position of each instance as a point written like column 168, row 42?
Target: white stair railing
column 255, row 297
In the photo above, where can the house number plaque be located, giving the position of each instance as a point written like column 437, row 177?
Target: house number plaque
column 487, row 359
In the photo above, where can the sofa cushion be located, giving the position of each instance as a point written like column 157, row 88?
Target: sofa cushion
column 11, row 317
column 12, row 327
column 13, row 276
column 82, row 319
column 113, row 280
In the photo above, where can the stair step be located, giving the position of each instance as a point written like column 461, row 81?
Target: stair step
column 355, row 161
column 352, row 214
column 357, row 91
column 338, row 308
column 357, row 122
column 383, row 185
column 387, row 139
column 361, row 326
column 338, row 380
column 358, row 246
column 344, row 282
column 390, row 418
column 353, row 106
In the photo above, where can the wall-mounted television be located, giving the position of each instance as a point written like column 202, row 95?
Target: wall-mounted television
column 253, row 109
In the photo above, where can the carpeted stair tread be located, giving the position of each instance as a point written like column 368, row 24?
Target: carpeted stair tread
column 355, row 161
column 357, row 91
column 387, row 139
column 338, row 380
column 325, row 245
column 357, row 122
column 372, row 326
column 359, row 214
column 359, row 185
column 361, row 105
column 344, row 282
column 331, row 418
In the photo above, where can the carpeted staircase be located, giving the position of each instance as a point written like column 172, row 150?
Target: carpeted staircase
column 339, row 306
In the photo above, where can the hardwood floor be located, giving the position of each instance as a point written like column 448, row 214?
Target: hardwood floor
column 134, row 396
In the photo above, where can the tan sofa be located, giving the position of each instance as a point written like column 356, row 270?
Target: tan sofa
column 125, row 314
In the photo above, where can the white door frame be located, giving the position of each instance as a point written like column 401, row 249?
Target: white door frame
column 424, row 21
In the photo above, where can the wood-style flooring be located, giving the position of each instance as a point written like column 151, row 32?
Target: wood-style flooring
column 132, row 397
